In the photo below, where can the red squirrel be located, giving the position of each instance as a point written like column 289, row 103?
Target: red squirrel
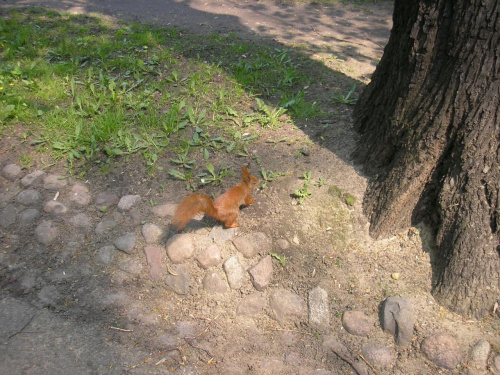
column 224, row 209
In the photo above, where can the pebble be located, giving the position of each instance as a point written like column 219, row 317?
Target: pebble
column 398, row 320
column 180, row 248
column 55, row 208
column 11, row 172
column 104, row 226
column 131, row 266
column 155, row 257
column 81, row 221
column 32, row 178
column 152, row 233
column 105, row 254
column 209, row 257
column 379, row 356
column 127, row 202
column 125, row 243
column 8, row 216
column 261, row 273
column 214, row 283
column 164, row 210
column 79, row 194
column 442, row 349
column 46, row 232
column 287, row 306
column 319, row 311
column 357, row 323
column 180, row 282
column 252, row 244
column 479, row 355
column 283, row 244
column 29, row 216
column 105, row 201
column 29, row 198
column 235, row 272
column 251, row 305
column 54, row 182
column 219, row 234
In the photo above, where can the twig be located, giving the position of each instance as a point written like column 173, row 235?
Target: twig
column 120, row 329
column 368, row 363
column 22, row 329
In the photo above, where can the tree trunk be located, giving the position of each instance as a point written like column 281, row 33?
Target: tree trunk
column 430, row 125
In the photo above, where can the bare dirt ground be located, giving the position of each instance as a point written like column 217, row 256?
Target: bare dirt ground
column 71, row 303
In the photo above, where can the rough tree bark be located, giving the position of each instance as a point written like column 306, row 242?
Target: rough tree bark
column 430, row 126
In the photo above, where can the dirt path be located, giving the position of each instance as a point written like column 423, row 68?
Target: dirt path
column 93, row 282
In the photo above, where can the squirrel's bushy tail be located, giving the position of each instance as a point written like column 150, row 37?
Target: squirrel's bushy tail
column 190, row 207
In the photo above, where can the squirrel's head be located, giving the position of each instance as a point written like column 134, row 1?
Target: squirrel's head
column 248, row 178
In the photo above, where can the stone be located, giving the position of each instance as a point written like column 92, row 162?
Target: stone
column 127, row 202
column 261, row 273
column 29, row 198
column 32, row 178
column 152, row 233
column 131, row 266
column 15, row 316
column 11, row 172
column 235, row 272
column 357, row 323
column 125, row 243
column 55, row 208
column 398, row 320
column 155, row 258
column 441, row 349
column 105, row 254
column 29, row 216
column 252, row 244
column 46, row 232
column 219, row 234
column 48, row 296
column 180, row 248
column 479, row 355
column 319, row 308
column 209, row 257
column 79, row 194
column 105, row 226
column 214, row 283
column 54, row 182
column 496, row 363
column 283, row 244
column 80, row 221
column 164, row 210
column 8, row 216
column 379, row 356
column 180, row 282
column 287, row 306
column 251, row 305
column 104, row 201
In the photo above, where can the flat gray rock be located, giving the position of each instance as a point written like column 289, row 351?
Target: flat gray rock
column 357, row 323
column 15, row 316
column 287, row 306
column 54, row 182
column 209, row 257
column 127, row 202
column 105, row 254
column 79, row 194
column 152, row 233
column 180, row 248
column 32, row 178
column 11, row 172
column 131, row 266
column 125, row 243
column 235, row 272
column 319, row 310
column 479, row 355
column 180, row 282
column 49, row 296
column 220, row 234
column 104, row 201
column 251, row 305
column 213, row 283
column 29, row 216
column 252, row 244
column 261, row 273
column 81, row 221
column 55, row 208
column 380, row 356
column 164, row 210
column 29, row 198
column 105, row 226
column 398, row 320
column 442, row 349
column 46, row 232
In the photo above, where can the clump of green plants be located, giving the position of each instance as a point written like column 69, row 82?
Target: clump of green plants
column 303, row 193
column 347, row 99
column 343, row 195
column 281, row 258
column 269, row 176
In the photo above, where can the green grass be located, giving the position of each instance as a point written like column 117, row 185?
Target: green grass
column 86, row 89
